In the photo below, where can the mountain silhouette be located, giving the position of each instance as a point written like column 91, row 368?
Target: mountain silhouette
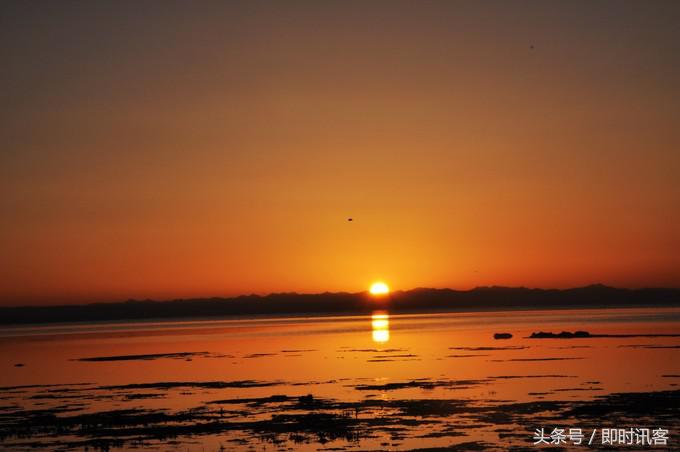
column 416, row 300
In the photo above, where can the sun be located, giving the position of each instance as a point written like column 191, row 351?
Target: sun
column 379, row 288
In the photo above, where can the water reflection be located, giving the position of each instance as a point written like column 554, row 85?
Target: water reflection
column 380, row 323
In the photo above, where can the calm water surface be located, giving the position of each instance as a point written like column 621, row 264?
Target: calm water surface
column 334, row 383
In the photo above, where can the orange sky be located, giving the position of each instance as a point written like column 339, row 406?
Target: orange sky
column 172, row 150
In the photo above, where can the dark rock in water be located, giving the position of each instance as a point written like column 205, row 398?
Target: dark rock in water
column 502, row 336
column 19, row 365
column 562, row 335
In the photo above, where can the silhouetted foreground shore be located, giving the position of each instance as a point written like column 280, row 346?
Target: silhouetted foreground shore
column 294, row 420
column 483, row 298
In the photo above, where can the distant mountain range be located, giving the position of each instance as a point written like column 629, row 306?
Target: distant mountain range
column 416, row 300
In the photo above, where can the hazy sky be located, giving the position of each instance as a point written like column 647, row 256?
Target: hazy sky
column 161, row 149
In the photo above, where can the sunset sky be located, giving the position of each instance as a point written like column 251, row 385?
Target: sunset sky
column 181, row 149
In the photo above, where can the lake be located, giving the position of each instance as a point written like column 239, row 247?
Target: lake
column 377, row 382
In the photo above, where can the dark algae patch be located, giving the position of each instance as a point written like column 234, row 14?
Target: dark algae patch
column 148, row 357
column 259, row 355
column 472, row 355
column 196, row 384
column 512, row 377
column 488, row 349
column 287, row 420
column 422, row 384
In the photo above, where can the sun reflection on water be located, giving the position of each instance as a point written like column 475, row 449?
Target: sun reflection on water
column 380, row 323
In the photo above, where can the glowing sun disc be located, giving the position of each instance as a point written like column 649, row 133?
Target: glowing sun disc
column 379, row 288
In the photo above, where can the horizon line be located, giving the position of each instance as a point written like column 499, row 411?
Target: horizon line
column 363, row 292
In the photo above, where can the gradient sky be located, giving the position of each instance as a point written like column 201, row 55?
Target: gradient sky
column 161, row 149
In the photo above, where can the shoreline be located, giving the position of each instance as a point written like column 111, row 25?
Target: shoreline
column 180, row 322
